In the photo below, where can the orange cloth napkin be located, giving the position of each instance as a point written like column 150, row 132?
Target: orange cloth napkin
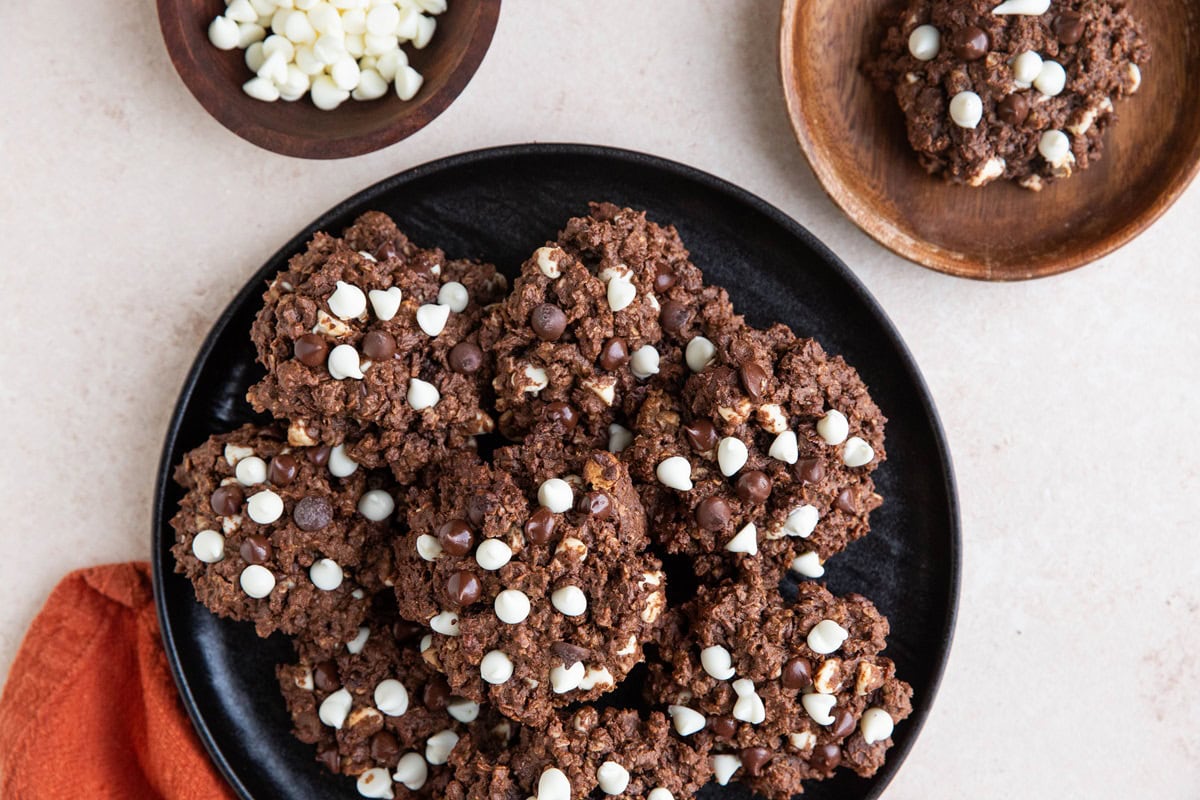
column 90, row 709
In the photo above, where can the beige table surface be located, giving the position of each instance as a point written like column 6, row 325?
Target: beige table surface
column 129, row 218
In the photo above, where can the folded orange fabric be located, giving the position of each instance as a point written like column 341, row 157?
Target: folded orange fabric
column 90, row 708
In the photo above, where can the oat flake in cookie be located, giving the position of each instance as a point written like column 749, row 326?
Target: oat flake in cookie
column 532, row 576
column 371, row 341
column 270, row 533
column 779, row 692
column 1021, row 90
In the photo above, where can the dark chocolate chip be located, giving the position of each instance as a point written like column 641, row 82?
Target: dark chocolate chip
column 701, row 435
column 256, row 549
column 437, row 694
column 312, row 513
column 754, row 759
column 1014, row 109
column 570, row 653
column 325, row 676
column 311, row 349
column 328, row 757
column 674, row 316
column 319, row 455
column 477, row 507
column 561, row 413
column 754, row 380
column 664, row 278
column 596, row 504
column 797, row 674
column 826, row 756
column 548, row 322
column 614, row 354
column 810, row 470
column 845, row 501
column 227, row 500
column 1069, row 27
column 384, row 748
column 723, row 727
column 753, row 486
column 843, row 724
column 712, row 514
column 969, row 43
column 540, row 527
column 463, row 588
column 379, row 345
column 389, row 249
column 455, row 537
column 465, row 358
column 283, row 469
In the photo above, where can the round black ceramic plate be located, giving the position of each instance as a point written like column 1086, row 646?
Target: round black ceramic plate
column 499, row 205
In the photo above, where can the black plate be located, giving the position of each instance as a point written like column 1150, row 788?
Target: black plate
column 500, row 204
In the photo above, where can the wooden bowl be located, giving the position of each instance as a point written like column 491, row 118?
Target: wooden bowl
column 854, row 138
column 215, row 77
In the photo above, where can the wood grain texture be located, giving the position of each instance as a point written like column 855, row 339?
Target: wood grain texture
column 854, row 139
column 215, row 78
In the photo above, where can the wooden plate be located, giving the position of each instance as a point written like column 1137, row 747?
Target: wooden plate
column 215, row 78
column 854, row 139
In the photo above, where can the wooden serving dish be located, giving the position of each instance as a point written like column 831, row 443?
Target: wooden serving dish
column 215, row 78
column 854, row 139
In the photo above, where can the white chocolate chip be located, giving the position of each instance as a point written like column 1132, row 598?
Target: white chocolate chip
column 731, row 455
column 724, row 766
column 356, row 645
column 924, row 42
column 785, row 448
column 432, row 318
column 1055, row 147
column 604, row 387
column 512, row 606
column 644, row 362
column 347, row 301
column 621, row 293
column 261, row 89
column 876, row 725
column 341, row 465
column 257, row 581
column 223, row 33
column 803, row 741
column 412, row 771
column 1135, row 78
column 376, row 505
column 1051, row 79
column 344, row 363
column 445, row 623
column 802, row 521
column 717, row 662
column 630, row 647
column 828, row 676
column 819, row 707
column 572, row 546
column 438, row 747
column 744, row 541
column 391, row 697
column 749, row 706
column 335, row 708
column 496, row 667
column 700, row 352
column 826, row 637
column 808, row 564
column 330, row 326
column 833, row 428
column 231, row 524
column 619, row 437
column 375, row 782
column 1032, row 8
column 686, row 720
column 1026, row 67
column 660, row 793
column 537, row 377
column 422, row 394
column 857, row 453
column 570, row 600
column 454, row 296
column 326, row 574
column 264, row 507
column 235, row 453
column 208, row 546
column 612, row 777
column 553, row 785
column 304, row 680
column 385, row 304
column 464, row 710
column 428, row 547
column 556, row 495
column 547, row 261
column 492, row 554
column 596, row 676
column 992, row 168
column 565, row 679
column 251, row 470
column 771, row 418
column 966, row 109
column 676, row 473
column 426, row 643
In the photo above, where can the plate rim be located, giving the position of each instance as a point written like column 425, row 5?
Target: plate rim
column 159, row 539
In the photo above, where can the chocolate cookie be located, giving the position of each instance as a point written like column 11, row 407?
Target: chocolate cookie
column 270, row 533
column 585, row 753
column 533, row 576
column 377, row 711
column 1021, row 90
column 371, row 341
column 781, row 692
column 764, row 460
column 593, row 321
